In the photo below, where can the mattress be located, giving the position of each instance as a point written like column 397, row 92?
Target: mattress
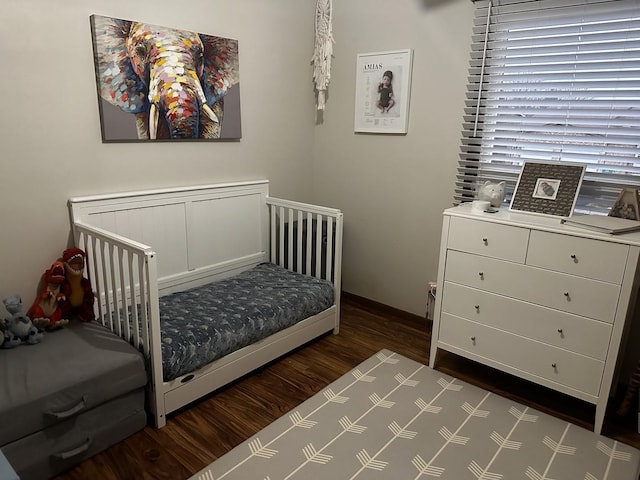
column 71, row 371
column 208, row 322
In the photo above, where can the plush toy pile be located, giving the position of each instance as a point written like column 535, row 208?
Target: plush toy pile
column 65, row 294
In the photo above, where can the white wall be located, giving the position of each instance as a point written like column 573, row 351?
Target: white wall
column 393, row 189
column 50, row 140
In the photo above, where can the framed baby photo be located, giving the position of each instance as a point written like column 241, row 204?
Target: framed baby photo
column 383, row 87
column 548, row 188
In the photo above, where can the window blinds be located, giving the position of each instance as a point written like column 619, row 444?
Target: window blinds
column 554, row 81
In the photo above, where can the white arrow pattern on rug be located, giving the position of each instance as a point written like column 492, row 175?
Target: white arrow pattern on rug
column 384, row 358
column 377, row 402
column 206, row 476
column 380, row 402
column 362, row 377
column 613, row 454
column 398, row 431
column 380, row 356
column 427, row 467
column 258, row 450
column 332, row 397
column 368, row 462
column 402, row 380
column 482, row 473
column 298, row 421
column 427, row 407
column 452, row 438
column 533, row 475
column 557, row 448
column 448, row 385
column 402, row 432
column 349, row 426
column 314, row 456
column 474, row 411
column 504, row 443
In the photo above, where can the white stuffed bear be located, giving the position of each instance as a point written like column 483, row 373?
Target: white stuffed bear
column 492, row 192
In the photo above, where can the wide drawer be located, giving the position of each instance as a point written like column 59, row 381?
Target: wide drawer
column 490, row 239
column 569, row 293
column 556, row 365
column 578, row 256
column 561, row 329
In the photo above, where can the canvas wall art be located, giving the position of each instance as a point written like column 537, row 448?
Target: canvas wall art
column 160, row 83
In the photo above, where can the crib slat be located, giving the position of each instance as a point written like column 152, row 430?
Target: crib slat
column 329, row 262
column 299, row 266
column 281, row 239
column 309, row 242
column 93, row 250
column 273, row 244
column 290, row 240
column 143, row 312
column 108, row 294
column 113, row 287
column 121, row 286
column 319, row 246
column 133, row 310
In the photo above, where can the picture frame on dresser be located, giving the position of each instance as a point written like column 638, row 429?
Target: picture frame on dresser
column 548, row 188
column 627, row 205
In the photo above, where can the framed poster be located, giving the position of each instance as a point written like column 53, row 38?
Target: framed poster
column 383, row 84
column 547, row 188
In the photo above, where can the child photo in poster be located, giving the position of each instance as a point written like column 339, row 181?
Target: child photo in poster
column 386, row 101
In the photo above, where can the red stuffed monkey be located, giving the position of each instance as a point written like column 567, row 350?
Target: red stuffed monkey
column 76, row 288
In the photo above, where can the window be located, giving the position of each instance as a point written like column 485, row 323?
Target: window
column 556, row 81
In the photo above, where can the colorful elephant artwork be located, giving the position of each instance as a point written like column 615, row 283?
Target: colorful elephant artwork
column 174, row 83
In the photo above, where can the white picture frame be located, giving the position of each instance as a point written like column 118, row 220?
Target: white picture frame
column 375, row 110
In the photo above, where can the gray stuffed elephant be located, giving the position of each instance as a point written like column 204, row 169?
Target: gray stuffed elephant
column 173, row 81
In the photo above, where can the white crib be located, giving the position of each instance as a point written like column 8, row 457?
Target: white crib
column 145, row 244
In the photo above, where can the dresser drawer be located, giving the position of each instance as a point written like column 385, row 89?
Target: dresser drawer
column 489, row 239
column 553, row 364
column 569, row 293
column 578, row 256
column 560, row 329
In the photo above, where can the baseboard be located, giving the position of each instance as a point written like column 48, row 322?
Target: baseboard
column 377, row 307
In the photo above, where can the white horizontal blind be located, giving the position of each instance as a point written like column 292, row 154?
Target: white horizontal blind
column 554, row 81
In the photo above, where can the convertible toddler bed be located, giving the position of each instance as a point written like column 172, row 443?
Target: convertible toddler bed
column 210, row 282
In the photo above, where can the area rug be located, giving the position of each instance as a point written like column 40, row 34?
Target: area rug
column 392, row 418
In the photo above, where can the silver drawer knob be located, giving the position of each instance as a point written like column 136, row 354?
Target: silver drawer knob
column 485, row 240
column 473, row 339
column 477, row 307
column 554, row 365
column 560, row 331
column 481, row 274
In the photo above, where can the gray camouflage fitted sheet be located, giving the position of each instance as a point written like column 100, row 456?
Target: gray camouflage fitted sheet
column 208, row 322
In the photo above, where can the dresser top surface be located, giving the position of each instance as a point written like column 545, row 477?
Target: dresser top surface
column 540, row 222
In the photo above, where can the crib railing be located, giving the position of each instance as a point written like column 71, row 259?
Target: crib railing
column 124, row 276
column 306, row 239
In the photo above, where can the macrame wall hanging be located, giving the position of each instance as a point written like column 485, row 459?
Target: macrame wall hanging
column 322, row 52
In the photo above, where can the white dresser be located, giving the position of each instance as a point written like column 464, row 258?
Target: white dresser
column 535, row 298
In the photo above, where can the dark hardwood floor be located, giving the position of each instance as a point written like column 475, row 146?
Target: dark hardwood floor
column 198, row 435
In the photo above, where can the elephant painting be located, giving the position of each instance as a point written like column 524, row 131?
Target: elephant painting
column 173, row 82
